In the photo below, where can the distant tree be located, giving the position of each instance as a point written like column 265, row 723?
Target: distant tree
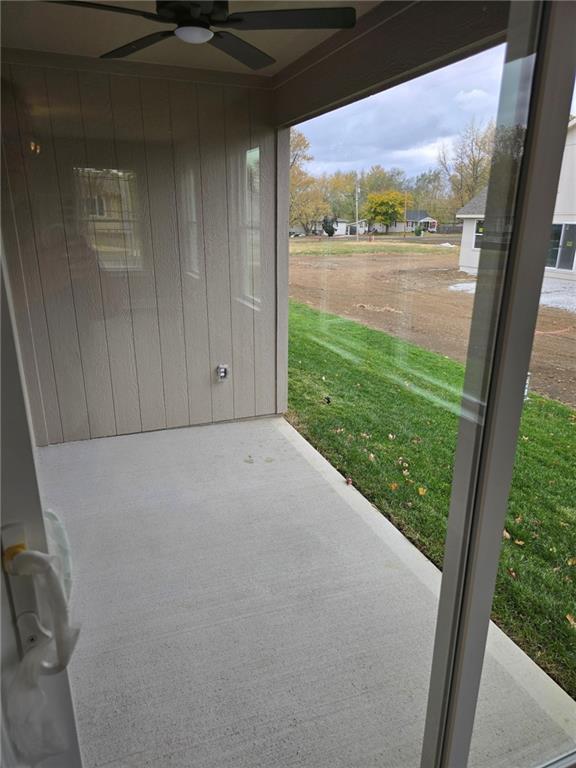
column 299, row 149
column 430, row 193
column 386, row 208
column 466, row 165
column 378, row 179
column 328, row 226
column 339, row 190
column 307, row 203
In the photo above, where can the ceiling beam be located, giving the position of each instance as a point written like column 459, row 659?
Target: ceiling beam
column 395, row 42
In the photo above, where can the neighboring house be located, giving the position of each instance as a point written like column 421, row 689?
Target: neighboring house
column 347, row 228
column 561, row 260
column 415, row 217
column 344, row 228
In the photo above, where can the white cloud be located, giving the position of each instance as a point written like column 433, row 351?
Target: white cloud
column 473, row 100
column 405, row 126
column 425, row 153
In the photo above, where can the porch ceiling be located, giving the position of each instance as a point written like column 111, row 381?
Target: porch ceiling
column 242, row 606
column 41, row 26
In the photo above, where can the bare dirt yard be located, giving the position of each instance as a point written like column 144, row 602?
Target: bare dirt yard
column 407, row 290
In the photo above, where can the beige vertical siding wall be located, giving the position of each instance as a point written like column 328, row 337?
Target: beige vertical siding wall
column 139, row 226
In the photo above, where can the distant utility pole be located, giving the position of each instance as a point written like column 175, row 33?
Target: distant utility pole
column 357, row 194
column 405, row 211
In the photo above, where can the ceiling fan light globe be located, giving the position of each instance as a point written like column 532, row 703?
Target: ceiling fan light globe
column 194, row 35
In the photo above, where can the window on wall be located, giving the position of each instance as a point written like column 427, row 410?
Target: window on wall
column 478, row 234
column 555, row 238
column 567, row 249
column 561, row 254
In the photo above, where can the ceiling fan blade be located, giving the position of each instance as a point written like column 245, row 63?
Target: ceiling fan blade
column 113, row 8
column 241, row 50
column 297, row 18
column 137, row 45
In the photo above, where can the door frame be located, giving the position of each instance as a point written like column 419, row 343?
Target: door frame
column 510, row 275
column 21, row 504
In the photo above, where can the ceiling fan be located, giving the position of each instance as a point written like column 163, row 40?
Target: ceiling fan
column 195, row 22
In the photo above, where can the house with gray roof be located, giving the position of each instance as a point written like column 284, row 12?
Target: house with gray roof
column 415, row 217
column 561, row 259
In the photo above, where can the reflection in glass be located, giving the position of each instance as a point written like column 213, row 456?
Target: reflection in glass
column 188, row 217
column 107, row 205
column 535, row 595
column 250, row 218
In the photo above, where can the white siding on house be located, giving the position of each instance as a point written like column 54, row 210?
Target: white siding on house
column 469, row 255
column 565, row 208
column 564, row 213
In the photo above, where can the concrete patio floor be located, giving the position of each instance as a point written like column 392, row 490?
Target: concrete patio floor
column 241, row 606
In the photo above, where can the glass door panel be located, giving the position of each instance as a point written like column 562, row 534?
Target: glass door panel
column 535, row 596
column 252, row 591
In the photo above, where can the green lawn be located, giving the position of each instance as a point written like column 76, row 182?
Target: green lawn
column 385, row 414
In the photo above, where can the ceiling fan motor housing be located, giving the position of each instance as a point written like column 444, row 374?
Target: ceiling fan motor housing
column 183, row 13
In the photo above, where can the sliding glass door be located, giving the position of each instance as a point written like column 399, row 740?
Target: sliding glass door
column 357, row 588
column 533, row 116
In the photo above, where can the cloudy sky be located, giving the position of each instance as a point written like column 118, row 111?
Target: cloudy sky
column 405, row 126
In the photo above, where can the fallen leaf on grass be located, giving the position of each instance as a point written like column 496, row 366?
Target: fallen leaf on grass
column 571, row 620
column 571, row 561
column 391, row 436
column 339, row 430
column 365, row 435
column 393, row 486
column 512, row 573
column 422, row 491
column 348, row 481
column 506, row 535
column 405, row 472
column 371, row 457
column 518, row 519
column 519, row 542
